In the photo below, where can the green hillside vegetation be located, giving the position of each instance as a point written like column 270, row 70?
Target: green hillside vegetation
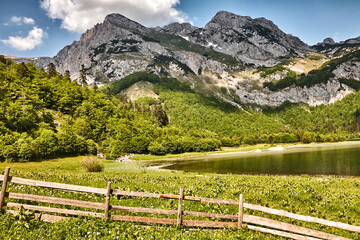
column 321, row 75
column 44, row 115
column 232, row 126
column 340, row 119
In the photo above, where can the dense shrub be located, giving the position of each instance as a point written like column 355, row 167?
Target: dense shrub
column 156, row 148
column 285, row 138
column 250, row 140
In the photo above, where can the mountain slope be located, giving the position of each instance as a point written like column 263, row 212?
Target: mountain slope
column 226, row 59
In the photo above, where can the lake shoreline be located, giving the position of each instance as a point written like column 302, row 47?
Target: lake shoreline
column 270, row 153
column 239, row 151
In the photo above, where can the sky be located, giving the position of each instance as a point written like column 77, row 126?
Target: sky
column 35, row 28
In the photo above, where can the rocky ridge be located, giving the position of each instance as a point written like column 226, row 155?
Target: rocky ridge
column 217, row 54
column 256, row 41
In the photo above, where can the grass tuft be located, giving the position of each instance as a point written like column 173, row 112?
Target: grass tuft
column 92, row 164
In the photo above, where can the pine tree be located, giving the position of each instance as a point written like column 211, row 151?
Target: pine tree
column 159, row 114
column 51, row 70
column 83, row 76
column 67, row 74
column 95, row 86
column 22, row 70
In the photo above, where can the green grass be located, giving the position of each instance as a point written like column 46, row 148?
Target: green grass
column 331, row 198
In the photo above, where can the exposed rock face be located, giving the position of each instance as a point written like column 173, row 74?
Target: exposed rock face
column 254, row 41
column 40, row 62
column 348, row 70
column 181, row 29
column 319, row 94
column 119, row 46
column 327, row 41
column 352, row 41
column 330, row 47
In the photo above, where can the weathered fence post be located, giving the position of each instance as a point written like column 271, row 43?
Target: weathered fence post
column 240, row 216
column 3, row 187
column 107, row 201
column 181, row 197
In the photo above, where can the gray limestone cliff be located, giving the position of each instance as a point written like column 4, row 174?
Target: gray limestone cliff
column 211, row 56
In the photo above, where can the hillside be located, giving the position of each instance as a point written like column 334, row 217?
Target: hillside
column 45, row 114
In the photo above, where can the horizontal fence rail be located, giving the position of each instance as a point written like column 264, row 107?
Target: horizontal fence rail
column 256, row 223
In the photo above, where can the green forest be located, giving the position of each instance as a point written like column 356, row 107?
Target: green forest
column 44, row 114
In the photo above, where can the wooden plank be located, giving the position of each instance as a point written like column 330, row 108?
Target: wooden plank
column 209, row 215
column 181, row 199
column 289, row 227
column 280, row 233
column 240, row 214
column 55, row 210
column 212, row 224
column 143, row 210
column 143, row 219
column 135, row 194
column 221, row 201
column 172, row 212
column 190, row 198
column 152, row 195
column 62, row 186
column 51, row 218
column 170, row 196
column 302, row 217
column 63, row 201
column 107, row 201
column 3, row 187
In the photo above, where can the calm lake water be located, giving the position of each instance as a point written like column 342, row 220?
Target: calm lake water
column 332, row 159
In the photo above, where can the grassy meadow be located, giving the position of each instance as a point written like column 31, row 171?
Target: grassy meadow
column 332, row 198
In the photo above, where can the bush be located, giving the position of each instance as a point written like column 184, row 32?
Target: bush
column 156, row 148
column 92, row 147
column 250, row 140
column 92, row 164
column 285, row 138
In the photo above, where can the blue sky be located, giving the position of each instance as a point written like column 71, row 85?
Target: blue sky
column 32, row 28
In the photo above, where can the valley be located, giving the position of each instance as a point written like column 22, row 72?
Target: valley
column 183, row 105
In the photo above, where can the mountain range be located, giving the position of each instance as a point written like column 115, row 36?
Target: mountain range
column 236, row 58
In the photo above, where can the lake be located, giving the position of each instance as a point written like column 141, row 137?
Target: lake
column 341, row 159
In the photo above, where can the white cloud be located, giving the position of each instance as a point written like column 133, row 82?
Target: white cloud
column 79, row 15
column 15, row 19
column 33, row 39
column 21, row 20
column 28, row 20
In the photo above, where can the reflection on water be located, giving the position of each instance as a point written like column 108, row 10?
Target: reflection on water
column 330, row 160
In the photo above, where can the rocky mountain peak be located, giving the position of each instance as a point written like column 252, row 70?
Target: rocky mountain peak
column 329, row 40
column 178, row 28
column 121, row 21
column 326, row 42
column 227, row 20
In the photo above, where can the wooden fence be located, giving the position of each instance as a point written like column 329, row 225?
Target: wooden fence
column 256, row 223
